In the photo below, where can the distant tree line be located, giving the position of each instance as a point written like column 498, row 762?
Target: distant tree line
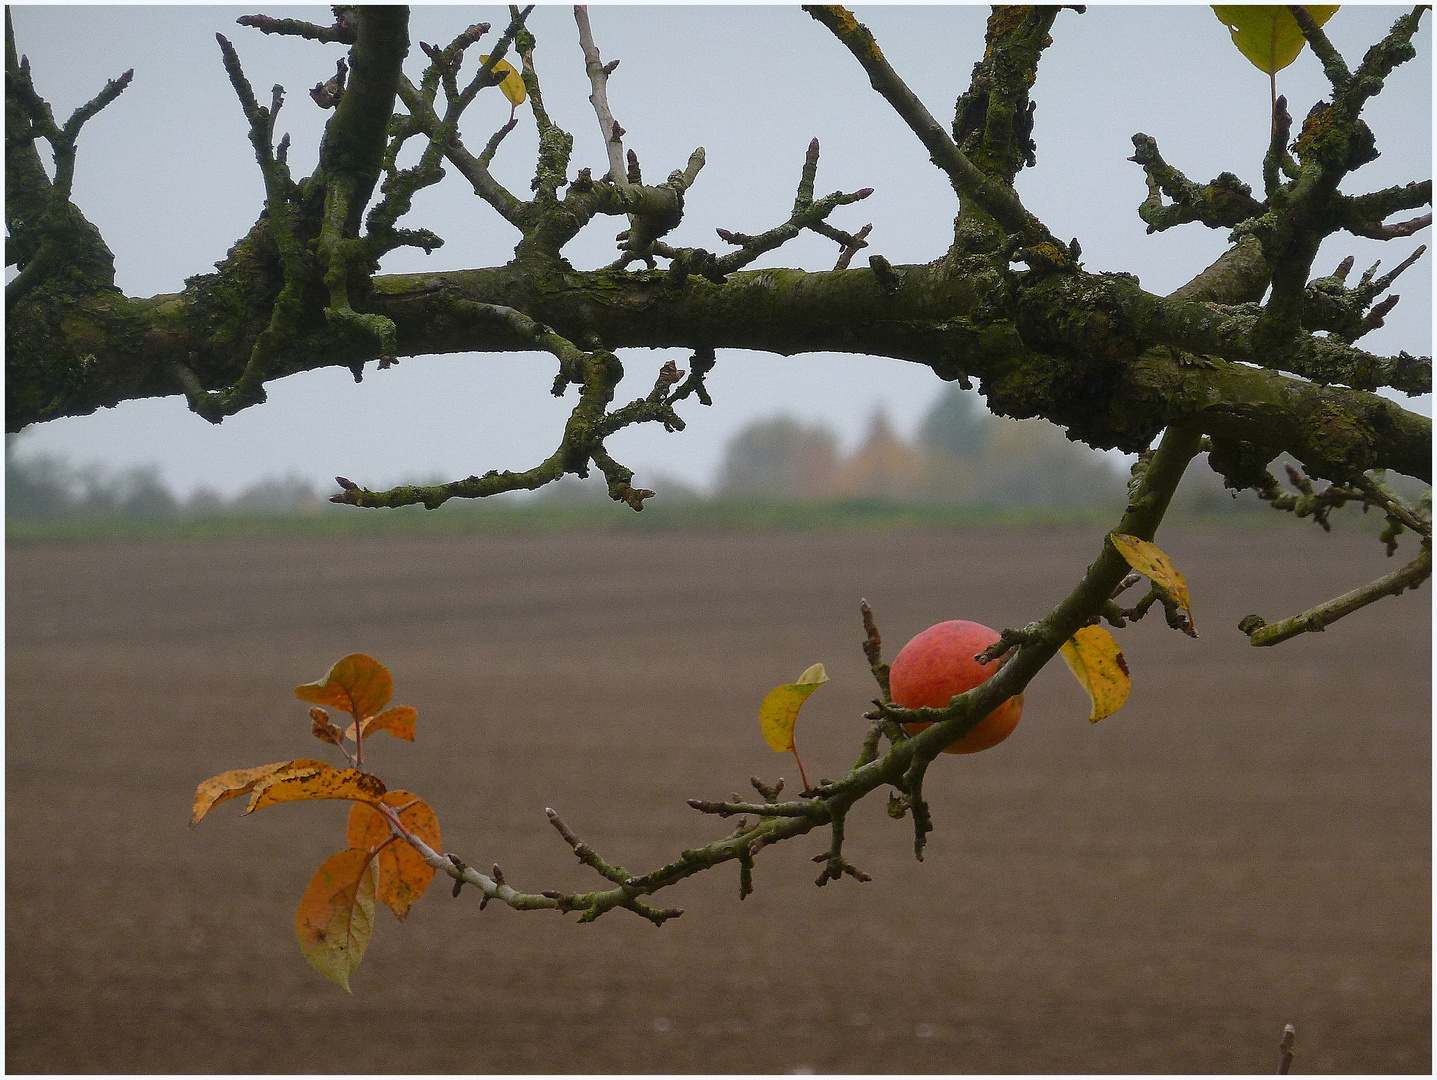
column 46, row 486
column 962, row 454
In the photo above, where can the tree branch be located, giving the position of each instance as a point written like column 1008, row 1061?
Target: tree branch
column 996, row 198
column 1117, row 392
column 1221, row 204
column 1324, row 615
column 49, row 239
column 901, row 767
column 598, row 73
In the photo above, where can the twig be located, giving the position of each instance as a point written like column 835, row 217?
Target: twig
column 1381, row 495
column 597, row 372
column 55, row 220
column 856, row 242
column 1324, row 615
column 587, row 855
column 835, row 865
column 1285, row 1049
column 1394, row 231
column 997, row 199
column 765, row 809
column 902, row 766
column 807, row 213
column 343, row 30
column 598, row 73
column 873, row 648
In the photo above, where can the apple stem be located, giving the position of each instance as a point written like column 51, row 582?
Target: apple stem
column 801, row 774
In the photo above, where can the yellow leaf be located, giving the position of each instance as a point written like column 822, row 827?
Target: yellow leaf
column 358, row 684
column 316, row 780
column 1267, row 34
column 512, row 83
column 336, row 914
column 1149, row 560
column 779, row 712
column 398, row 720
column 1096, row 661
column 403, row 874
column 236, row 782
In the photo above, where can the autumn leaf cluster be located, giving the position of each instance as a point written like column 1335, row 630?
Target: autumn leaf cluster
column 336, row 914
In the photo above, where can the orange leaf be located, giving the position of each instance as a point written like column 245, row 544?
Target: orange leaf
column 403, row 874
column 322, row 729
column 336, row 914
column 236, row 782
column 316, row 781
column 358, row 684
column 398, row 720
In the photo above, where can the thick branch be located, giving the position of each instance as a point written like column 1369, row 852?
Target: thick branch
column 354, row 139
column 1333, row 141
column 993, row 119
column 49, row 240
column 1239, row 276
column 1363, row 215
column 1110, row 394
column 995, row 197
column 1221, row 204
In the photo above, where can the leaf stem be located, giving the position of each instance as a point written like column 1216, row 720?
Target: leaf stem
column 801, row 774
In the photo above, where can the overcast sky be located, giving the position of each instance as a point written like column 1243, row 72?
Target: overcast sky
column 166, row 173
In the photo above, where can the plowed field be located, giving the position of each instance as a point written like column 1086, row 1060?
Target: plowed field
column 1246, row 844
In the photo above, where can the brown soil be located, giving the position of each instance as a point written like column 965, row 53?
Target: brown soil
column 1245, row 845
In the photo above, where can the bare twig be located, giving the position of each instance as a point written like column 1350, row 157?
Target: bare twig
column 587, row 855
column 996, row 198
column 1285, row 1050
column 856, row 242
column 598, row 73
column 1324, row 615
column 343, row 30
column 873, row 648
column 808, row 213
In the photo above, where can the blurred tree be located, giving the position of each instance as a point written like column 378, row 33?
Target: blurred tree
column 279, row 495
column 970, row 456
column 956, row 425
column 138, row 491
column 36, row 487
column 1031, row 463
column 779, row 458
column 883, row 467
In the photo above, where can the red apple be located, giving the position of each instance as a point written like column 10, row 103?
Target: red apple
column 938, row 665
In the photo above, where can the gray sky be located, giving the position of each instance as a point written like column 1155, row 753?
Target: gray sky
column 166, row 173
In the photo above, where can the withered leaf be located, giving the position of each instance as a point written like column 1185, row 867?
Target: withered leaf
column 403, row 874
column 398, row 720
column 778, row 714
column 236, row 782
column 1152, row 562
column 316, row 781
column 336, row 914
column 1093, row 656
column 358, row 684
